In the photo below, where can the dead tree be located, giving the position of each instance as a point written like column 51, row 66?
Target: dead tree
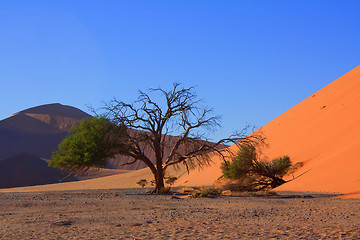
column 179, row 113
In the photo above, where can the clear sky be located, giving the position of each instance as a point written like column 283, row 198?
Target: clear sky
column 249, row 60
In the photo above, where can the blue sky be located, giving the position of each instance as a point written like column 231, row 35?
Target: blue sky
column 249, row 60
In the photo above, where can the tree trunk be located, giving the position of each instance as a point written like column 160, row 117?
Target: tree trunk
column 159, row 180
column 277, row 182
column 159, row 176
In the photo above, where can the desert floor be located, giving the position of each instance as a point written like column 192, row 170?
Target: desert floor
column 131, row 214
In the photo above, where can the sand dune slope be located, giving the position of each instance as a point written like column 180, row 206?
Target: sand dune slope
column 126, row 180
column 116, row 181
column 323, row 131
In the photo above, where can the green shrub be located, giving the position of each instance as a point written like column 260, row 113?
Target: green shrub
column 206, row 192
column 252, row 174
column 171, row 180
column 241, row 165
column 142, row 182
column 277, row 167
column 90, row 143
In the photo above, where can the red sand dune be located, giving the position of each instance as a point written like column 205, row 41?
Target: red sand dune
column 323, row 131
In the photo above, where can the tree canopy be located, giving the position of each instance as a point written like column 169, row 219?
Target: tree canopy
column 90, row 143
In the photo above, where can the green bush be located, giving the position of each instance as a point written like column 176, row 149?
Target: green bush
column 142, row 182
column 206, row 192
column 90, row 143
column 241, row 165
column 252, row 174
column 277, row 167
column 171, row 180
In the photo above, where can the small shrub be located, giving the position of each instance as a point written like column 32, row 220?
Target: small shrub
column 206, row 192
column 252, row 174
column 241, row 165
column 142, row 182
column 171, row 180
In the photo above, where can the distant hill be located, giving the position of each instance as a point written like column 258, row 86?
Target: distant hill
column 38, row 130
column 30, row 136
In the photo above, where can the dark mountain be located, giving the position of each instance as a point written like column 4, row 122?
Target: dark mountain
column 27, row 170
column 57, row 109
column 28, row 137
column 38, row 130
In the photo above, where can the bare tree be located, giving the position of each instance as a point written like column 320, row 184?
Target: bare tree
column 180, row 112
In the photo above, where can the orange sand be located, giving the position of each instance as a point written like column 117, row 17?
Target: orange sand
column 126, row 180
column 324, row 132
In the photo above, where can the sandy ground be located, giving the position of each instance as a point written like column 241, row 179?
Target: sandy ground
column 131, row 214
